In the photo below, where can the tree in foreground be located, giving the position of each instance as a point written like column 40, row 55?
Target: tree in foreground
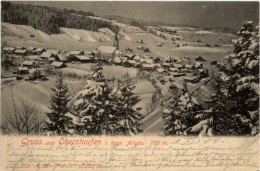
column 183, row 115
column 93, row 106
column 57, row 123
column 127, row 117
column 236, row 103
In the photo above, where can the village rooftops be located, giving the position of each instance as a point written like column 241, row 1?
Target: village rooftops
column 107, row 49
column 28, row 63
column 35, row 58
column 18, row 51
column 40, row 50
column 76, row 52
column 148, row 61
column 117, row 60
column 54, row 51
column 83, row 58
column 177, row 65
column 189, row 66
column 8, row 49
column 137, row 58
column 174, row 69
column 148, row 66
column 57, row 64
column 62, row 57
column 160, row 70
column 23, row 69
column 47, row 55
column 31, row 48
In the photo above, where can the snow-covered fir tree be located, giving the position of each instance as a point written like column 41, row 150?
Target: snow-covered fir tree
column 57, row 123
column 127, row 117
column 236, row 102
column 93, row 106
column 182, row 118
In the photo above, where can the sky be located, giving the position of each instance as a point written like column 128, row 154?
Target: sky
column 203, row 14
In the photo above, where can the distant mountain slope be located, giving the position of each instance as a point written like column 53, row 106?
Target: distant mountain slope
column 73, row 38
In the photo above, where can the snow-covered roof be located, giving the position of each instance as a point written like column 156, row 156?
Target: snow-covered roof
column 54, row 51
column 23, row 69
column 107, row 49
column 57, row 64
column 28, row 63
column 47, row 55
column 62, row 57
column 160, row 70
column 177, row 65
column 76, row 52
column 20, row 51
column 83, row 58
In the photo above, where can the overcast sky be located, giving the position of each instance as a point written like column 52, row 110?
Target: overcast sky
column 204, row 14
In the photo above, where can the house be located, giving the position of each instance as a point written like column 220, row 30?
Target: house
column 129, row 63
column 179, row 66
column 21, row 52
column 189, row 67
column 140, row 47
column 31, row 49
column 198, row 65
column 146, row 61
column 117, row 61
column 138, row 64
column 118, row 53
column 20, row 48
column 53, row 51
column 162, row 71
column 61, row 57
column 199, row 58
column 137, row 58
column 123, row 59
column 8, row 50
column 57, row 64
column 76, row 52
column 34, row 58
column 88, row 53
column 23, row 70
column 47, row 55
column 83, row 59
column 40, row 50
column 148, row 66
column 50, row 60
column 166, row 65
column 107, row 52
column 156, row 65
column 29, row 64
column 174, row 69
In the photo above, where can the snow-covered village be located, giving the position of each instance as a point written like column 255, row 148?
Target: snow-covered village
column 67, row 70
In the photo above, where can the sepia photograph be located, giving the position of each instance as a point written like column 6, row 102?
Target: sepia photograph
column 83, row 70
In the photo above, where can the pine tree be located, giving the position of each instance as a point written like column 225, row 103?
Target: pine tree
column 127, row 117
column 182, row 116
column 58, row 122
column 236, row 103
column 94, row 106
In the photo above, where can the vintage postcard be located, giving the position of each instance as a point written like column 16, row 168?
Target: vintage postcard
column 129, row 85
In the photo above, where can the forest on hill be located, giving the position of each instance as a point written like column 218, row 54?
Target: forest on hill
column 50, row 19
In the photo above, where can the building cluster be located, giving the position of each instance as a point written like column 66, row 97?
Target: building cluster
column 40, row 57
